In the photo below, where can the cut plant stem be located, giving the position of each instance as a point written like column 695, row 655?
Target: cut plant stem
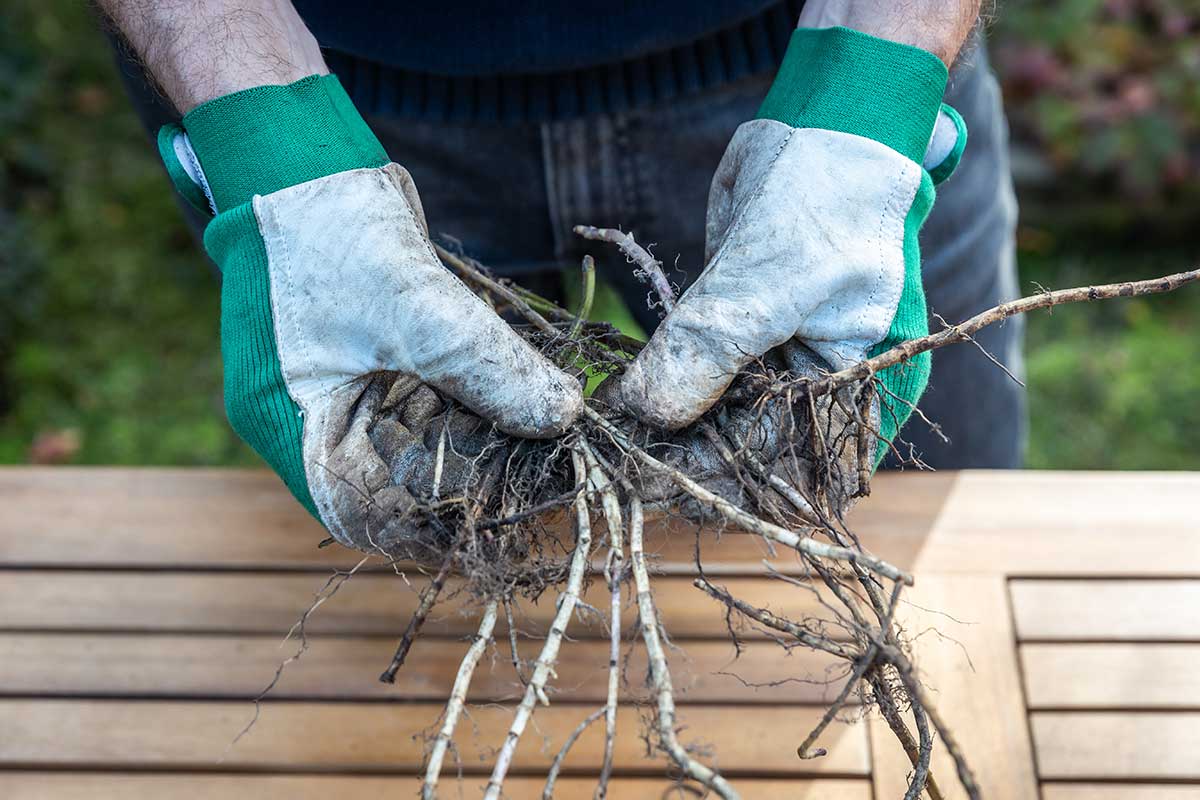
column 963, row 331
column 648, row 264
column 477, row 276
column 589, row 295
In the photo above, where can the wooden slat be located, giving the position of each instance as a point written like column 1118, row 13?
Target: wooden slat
column 1103, row 676
column 1117, row 745
column 1068, row 523
column 1119, row 791
column 80, row 515
column 368, row 603
column 193, row 518
column 1107, row 610
column 346, row 668
column 1077, row 523
column 964, row 653
column 107, row 786
column 364, row 736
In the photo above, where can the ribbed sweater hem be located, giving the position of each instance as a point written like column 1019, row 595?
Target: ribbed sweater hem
column 754, row 46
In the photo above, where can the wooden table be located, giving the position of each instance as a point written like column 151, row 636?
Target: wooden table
column 1057, row 616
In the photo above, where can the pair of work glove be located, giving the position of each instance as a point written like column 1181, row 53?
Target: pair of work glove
column 339, row 322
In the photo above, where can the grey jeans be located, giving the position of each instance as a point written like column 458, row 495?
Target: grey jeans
column 512, row 193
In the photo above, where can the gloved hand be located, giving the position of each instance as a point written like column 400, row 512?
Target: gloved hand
column 329, row 279
column 812, row 229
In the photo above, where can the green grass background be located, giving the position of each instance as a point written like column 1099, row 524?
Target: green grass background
column 109, row 315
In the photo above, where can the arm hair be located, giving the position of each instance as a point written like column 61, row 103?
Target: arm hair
column 939, row 26
column 197, row 50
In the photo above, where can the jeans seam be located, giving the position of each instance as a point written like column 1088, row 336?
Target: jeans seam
column 554, row 202
column 634, row 205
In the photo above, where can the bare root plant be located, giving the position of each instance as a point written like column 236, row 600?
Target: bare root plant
column 782, row 457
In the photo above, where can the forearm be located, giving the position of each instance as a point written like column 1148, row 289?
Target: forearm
column 198, row 50
column 939, row 26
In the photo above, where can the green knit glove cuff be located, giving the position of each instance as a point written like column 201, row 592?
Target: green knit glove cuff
column 840, row 79
column 268, row 138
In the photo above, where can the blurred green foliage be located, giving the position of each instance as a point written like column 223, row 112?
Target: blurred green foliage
column 109, row 314
column 108, row 322
column 1103, row 98
column 1113, row 385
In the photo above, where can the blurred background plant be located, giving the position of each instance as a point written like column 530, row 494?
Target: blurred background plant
column 1103, row 98
column 108, row 313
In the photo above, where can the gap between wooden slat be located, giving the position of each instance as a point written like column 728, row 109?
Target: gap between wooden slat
column 963, row 650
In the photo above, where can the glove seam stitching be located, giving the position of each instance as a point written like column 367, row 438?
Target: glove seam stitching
column 277, row 308
column 888, row 211
column 320, row 499
column 325, row 504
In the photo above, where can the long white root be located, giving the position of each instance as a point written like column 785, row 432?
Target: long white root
column 660, row 674
column 544, row 665
column 458, row 697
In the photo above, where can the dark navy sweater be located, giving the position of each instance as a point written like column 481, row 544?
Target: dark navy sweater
column 535, row 60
